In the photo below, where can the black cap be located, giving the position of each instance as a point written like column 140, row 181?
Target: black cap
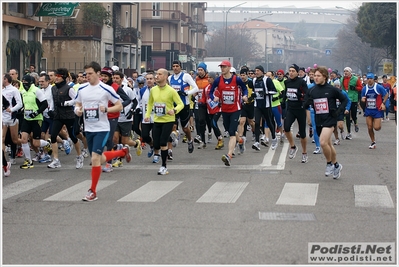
column 260, row 68
column 295, row 66
column 178, row 62
column 244, row 71
column 28, row 79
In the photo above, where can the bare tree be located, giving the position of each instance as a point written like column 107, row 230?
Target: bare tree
column 351, row 51
column 240, row 44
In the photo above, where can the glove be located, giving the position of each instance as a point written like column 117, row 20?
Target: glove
column 129, row 114
column 51, row 114
column 138, row 111
column 33, row 114
column 252, row 97
column 181, row 93
column 275, row 98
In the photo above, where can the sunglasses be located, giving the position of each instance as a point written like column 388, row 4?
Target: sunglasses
column 250, row 73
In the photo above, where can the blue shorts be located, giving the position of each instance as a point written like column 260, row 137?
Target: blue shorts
column 96, row 141
column 375, row 113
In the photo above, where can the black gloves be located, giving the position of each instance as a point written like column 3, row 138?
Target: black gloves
column 252, row 97
column 33, row 114
column 51, row 114
column 181, row 93
column 129, row 114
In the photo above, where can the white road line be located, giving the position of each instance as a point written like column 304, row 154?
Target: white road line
column 76, row 192
column 372, row 196
column 151, row 191
column 22, row 186
column 223, row 192
column 304, row 194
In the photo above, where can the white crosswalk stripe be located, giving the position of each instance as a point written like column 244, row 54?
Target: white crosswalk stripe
column 223, row 192
column 298, row 194
column 76, row 192
column 372, row 196
column 22, row 186
column 151, row 192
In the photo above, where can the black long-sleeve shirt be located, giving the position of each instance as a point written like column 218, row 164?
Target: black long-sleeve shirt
column 295, row 92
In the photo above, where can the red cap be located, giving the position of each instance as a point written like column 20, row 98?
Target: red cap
column 280, row 71
column 107, row 70
column 225, row 63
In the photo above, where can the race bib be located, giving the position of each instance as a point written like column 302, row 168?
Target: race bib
column 259, row 93
column 228, row 97
column 160, row 109
column 27, row 112
column 371, row 103
column 176, row 87
column 292, row 94
column 91, row 113
column 321, row 106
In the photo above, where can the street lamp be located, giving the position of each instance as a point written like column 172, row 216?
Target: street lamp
column 225, row 32
column 267, row 53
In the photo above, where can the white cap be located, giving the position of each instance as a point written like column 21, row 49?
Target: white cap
column 233, row 69
column 115, row 68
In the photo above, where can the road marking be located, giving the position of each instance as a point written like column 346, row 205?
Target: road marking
column 286, row 216
column 372, row 196
column 223, row 192
column 76, row 192
column 151, row 191
column 304, row 194
column 22, row 186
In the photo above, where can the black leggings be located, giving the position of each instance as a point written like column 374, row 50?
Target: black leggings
column 145, row 131
column 202, row 121
column 267, row 115
column 352, row 113
column 214, row 119
column 57, row 126
column 161, row 133
column 300, row 116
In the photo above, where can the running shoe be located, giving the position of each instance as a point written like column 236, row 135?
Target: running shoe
column 85, row 152
column 150, row 152
column 118, row 163
column 175, row 138
column 226, row 134
column 139, row 148
column 292, row 152
column 337, row 142
column 67, row 147
column 156, row 158
column 337, row 171
column 220, row 144
column 372, row 146
column 13, row 161
column 209, row 137
column 304, row 158
column 7, row 170
column 265, row 142
column 128, row 157
column 197, row 139
column 298, row 135
column 107, row 167
column 356, row 128
column 54, row 164
column 163, row 171
column 48, row 148
column 226, row 159
column 28, row 164
column 329, row 169
column 274, row 143
column 185, row 139
column 190, row 146
column 256, row 146
column 348, row 136
column 170, row 154
column 317, row 150
column 20, row 152
column 46, row 158
column 282, row 139
column 202, row 145
column 90, row 196
column 37, row 157
column 79, row 162
column 241, row 144
column 342, row 135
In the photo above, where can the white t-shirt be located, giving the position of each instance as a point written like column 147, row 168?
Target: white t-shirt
column 92, row 97
column 10, row 92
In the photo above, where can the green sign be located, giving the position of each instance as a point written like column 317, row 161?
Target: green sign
column 56, row 9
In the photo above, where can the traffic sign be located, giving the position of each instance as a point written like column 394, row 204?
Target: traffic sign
column 328, row 52
column 279, row 51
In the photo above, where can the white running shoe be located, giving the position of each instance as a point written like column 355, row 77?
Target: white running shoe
column 274, row 143
column 163, row 171
column 79, row 162
column 54, row 164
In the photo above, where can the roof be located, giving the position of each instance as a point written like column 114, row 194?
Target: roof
column 259, row 24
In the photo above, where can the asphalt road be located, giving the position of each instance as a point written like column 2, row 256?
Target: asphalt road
column 264, row 209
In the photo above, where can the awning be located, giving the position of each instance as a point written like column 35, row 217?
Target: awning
column 56, row 9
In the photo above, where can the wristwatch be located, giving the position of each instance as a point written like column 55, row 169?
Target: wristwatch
column 174, row 110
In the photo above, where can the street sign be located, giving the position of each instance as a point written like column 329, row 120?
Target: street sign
column 388, row 68
column 183, row 58
column 279, row 51
column 328, row 52
column 57, row 9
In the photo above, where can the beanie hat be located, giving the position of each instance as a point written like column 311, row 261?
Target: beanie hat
column 202, row 65
column 337, row 82
column 335, row 71
column 63, row 72
column 107, row 70
column 260, row 68
column 28, row 79
column 295, row 66
column 302, row 69
column 212, row 74
column 280, row 71
column 244, row 71
column 348, row 69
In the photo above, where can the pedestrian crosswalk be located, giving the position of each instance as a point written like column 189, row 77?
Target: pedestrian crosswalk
column 302, row 194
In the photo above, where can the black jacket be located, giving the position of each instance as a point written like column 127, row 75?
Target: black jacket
column 294, row 93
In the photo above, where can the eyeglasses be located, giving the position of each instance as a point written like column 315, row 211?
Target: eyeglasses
column 251, row 73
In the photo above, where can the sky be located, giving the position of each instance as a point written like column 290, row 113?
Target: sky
column 299, row 4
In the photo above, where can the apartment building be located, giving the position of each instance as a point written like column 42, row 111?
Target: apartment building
column 131, row 35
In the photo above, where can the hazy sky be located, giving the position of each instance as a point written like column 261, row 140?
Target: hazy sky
column 299, row 4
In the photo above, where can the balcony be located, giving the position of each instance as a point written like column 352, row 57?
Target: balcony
column 173, row 16
column 126, row 35
column 72, row 31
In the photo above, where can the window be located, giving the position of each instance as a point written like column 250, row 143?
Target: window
column 14, row 33
column 156, row 9
column 157, row 38
column 31, row 8
column 15, row 7
column 31, row 35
